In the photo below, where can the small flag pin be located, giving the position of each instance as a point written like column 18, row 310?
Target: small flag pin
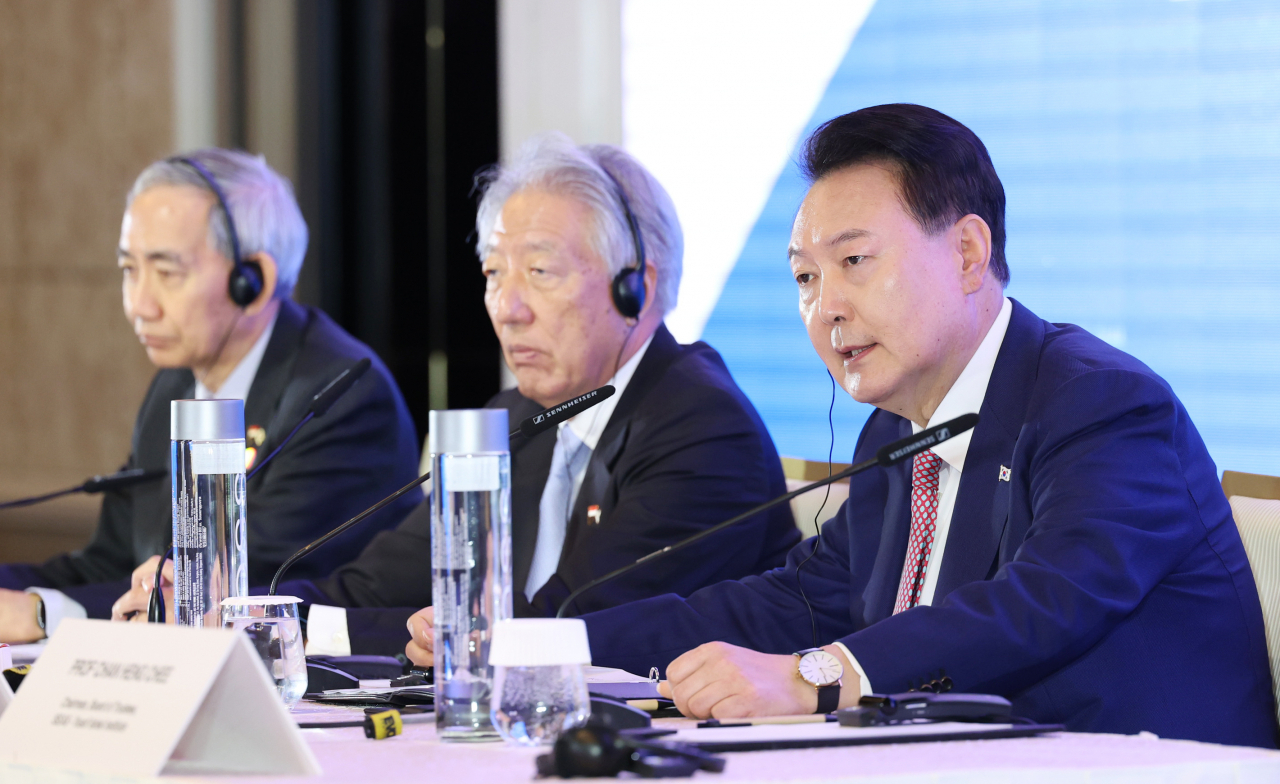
column 1005, row 472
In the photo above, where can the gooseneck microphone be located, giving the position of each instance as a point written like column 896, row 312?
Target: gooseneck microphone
column 530, row 427
column 888, row 455
column 320, row 405
column 94, row 484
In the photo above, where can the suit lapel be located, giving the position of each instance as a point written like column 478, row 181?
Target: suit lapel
column 262, row 405
column 151, row 445
column 662, row 351
column 530, row 466
column 982, row 503
column 882, row 586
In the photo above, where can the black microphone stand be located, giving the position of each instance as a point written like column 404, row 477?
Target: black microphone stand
column 94, row 484
column 529, row 428
column 888, row 455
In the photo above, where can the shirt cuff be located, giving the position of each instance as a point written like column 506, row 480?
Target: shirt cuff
column 864, row 684
column 57, row 607
column 327, row 631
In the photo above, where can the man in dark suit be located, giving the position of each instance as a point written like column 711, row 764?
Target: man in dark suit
column 678, row 448
column 272, row 353
column 1073, row 553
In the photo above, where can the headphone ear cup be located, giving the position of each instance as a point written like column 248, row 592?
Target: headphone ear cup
column 245, row 283
column 628, row 293
column 585, row 751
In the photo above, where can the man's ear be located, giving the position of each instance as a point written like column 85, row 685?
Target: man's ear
column 650, row 287
column 270, row 277
column 973, row 237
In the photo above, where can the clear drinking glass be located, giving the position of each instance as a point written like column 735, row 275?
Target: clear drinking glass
column 539, row 684
column 272, row 625
column 209, row 528
column 470, row 562
column 533, row 705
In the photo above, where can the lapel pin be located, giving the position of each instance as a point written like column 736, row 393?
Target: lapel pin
column 1005, row 472
column 593, row 514
column 255, row 435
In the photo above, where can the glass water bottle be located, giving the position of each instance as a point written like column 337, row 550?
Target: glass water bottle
column 209, row 530
column 470, row 562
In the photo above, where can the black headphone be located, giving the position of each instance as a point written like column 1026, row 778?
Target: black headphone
column 245, row 283
column 592, row 752
column 628, row 285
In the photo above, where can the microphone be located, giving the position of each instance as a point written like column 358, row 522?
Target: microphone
column 132, row 476
column 320, row 405
column 566, row 410
column 94, row 484
column 530, row 427
column 888, row 455
column 324, row 400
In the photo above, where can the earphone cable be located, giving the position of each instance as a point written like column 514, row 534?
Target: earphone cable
column 817, row 517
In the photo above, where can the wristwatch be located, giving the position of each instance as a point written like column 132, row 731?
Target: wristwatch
column 823, row 671
column 40, row 617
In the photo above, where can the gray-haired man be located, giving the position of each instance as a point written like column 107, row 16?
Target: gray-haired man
column 676, row 450
column 176, row 259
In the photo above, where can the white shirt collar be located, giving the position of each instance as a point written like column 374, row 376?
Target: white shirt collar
column 236, row 387
column 970, row 389
column 589, row 425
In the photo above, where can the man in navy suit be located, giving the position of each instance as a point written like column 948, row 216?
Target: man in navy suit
column 1074, row 552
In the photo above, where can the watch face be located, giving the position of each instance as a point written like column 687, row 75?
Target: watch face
column 820, row 668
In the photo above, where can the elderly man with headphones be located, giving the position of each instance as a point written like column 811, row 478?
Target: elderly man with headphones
column 210, row 249
column 582, row 251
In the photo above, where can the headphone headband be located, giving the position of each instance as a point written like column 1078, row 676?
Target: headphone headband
column 245, row 283
column 628, row 285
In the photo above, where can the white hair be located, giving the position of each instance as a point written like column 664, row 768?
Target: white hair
column 261, row 202
column 592, row 174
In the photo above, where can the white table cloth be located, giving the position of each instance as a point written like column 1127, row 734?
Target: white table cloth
column 416, row 757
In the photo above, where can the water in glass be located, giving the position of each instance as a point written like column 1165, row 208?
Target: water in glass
column 533, row 705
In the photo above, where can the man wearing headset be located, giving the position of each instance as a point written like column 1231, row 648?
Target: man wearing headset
column 582, row 251
column 210, row 248
column 1073, row 552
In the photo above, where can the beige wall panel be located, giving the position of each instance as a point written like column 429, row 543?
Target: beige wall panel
column 85, row 103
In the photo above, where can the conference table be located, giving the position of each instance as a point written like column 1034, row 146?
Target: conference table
column 417, row 756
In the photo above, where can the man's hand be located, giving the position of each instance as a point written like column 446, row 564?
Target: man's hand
column 18, row 622
column 134, row 604
column 421, row 649
column 727, row 682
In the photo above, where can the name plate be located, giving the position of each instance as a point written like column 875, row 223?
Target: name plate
column 130, row 699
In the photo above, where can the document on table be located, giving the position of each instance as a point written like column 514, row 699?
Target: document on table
column 797, row 736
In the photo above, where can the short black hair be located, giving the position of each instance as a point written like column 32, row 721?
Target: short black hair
column 942, row 167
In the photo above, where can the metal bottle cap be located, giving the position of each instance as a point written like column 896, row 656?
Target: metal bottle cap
column 467, row 431
column 206, row 420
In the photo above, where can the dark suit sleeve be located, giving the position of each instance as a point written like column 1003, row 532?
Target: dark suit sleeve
column 323, row 477
column 109, row 554
column 1109, row 520
column 764, row 612
column 393, row 571
column 1112, row 514
column 704, row 462
column 390, row 581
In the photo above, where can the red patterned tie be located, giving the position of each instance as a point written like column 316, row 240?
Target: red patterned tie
column 924, row 521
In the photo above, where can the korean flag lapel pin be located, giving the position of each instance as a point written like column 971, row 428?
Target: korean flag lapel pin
column 1005, row 472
